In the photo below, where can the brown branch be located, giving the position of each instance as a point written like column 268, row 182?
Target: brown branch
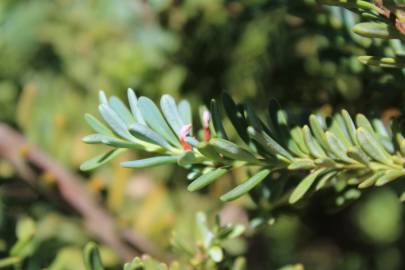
column 127, row 243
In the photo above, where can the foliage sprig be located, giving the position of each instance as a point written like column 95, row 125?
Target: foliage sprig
column 380, row 19
column 331, row 152
column 207, row 252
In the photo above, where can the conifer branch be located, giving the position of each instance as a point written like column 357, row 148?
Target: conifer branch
column 359, row 153
column 380, row 19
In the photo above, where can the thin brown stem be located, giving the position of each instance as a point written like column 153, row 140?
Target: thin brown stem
column 17, row 150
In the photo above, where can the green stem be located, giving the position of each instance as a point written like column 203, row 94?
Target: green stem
column 6, row 262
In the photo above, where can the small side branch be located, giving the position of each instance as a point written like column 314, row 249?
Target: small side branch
column 127, row 243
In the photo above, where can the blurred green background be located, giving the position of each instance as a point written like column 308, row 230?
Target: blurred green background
column 56, row 55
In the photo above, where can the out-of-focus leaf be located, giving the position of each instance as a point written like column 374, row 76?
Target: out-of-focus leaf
column 360, row 4
column 25, row 228
column 375, row 30
column 92, row 259
column 385, row 62
column 216, row 254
